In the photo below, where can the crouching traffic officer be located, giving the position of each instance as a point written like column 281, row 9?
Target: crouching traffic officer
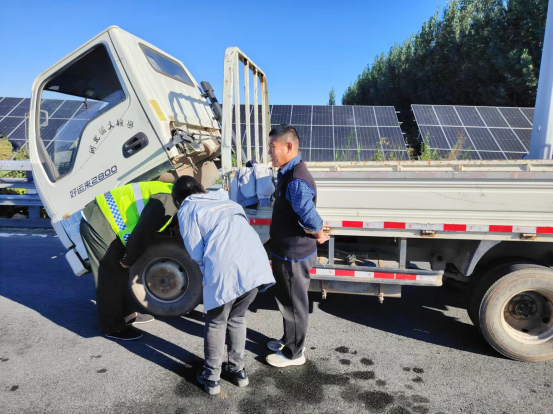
column 116, row 229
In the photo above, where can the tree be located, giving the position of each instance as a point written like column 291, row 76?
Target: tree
column 479, row 52
column 331, row 98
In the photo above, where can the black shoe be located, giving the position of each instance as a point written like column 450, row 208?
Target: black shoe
column 128, row 333
column 210, row 386
column 141, row 319
column 239, row 378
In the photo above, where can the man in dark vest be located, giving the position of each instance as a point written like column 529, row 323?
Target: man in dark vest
column 296, row 229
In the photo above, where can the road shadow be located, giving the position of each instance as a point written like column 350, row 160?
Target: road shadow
column 35, row 274
column 419, row 314
column 46, row 284
column 193, row 325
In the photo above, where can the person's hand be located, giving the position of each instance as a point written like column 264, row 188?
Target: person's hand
column 123, row 265
column 323, row 239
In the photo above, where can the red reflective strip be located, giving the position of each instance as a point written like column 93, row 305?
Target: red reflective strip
column 455, row 228
column 544, row 229
column 312, row 270
column 409, row 277
column 344, row 273
column 384, row 275
column 394, row 225
column 499, row 228
column 352, row 224
column 263, row 222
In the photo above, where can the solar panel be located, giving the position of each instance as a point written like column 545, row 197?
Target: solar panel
column 66, row 119
column 327, row 133
column 447, row 116
column 469, row 116
column 486, row 133
column 342, row 132
column 385, row 116
column 368, row 137
column 322, row 115
column 364, row 116
column 345, row 138
column 301, row 115
column 281, row 114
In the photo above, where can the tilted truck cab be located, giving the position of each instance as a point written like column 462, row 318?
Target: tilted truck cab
column 134, row 113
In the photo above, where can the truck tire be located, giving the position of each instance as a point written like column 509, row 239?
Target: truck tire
column 481, row 282
column 514, row 308
column 165, row 281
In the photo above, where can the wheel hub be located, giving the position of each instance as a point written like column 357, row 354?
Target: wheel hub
column 525, row 308
column 527, row 317
column 166, row 279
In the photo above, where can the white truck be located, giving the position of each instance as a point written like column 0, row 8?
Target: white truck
column 139, row 114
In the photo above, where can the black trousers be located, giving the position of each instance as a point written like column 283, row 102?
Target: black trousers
column 105, row 250
column 291, row 288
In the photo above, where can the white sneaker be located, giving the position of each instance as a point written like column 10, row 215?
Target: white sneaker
column 275, row 345
column 279, row 360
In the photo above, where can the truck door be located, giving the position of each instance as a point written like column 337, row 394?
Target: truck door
column 88, row 132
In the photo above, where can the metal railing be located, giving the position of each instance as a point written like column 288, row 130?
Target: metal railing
column 231, row 100
column 31, row 199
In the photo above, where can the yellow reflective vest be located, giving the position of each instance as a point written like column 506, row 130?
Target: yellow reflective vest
column 123, row 205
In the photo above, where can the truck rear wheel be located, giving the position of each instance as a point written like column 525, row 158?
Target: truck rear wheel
column 482, row 281
column 513, row 304
column 165, row 281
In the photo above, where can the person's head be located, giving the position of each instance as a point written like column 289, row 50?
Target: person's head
column 185, row 186
column 284, row 144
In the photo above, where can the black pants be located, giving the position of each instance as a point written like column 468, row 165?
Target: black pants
column 291, row 288
column 105, row 250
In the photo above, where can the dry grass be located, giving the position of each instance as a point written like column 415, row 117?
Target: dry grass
column 6, row 148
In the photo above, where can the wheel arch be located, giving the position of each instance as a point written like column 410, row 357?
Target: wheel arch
column 491, row 253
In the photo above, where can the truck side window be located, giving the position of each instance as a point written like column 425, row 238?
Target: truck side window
column 71, row 98
column 166, row 66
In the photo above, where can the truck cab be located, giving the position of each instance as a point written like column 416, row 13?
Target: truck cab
column 117, row 110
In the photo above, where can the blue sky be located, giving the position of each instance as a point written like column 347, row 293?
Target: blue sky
column 304, row 47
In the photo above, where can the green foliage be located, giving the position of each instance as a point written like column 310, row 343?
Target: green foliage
column 427, row 154
column 7, row 153
column 478, row 52
column 331, row 97
column 6, row 148
column 350, row 152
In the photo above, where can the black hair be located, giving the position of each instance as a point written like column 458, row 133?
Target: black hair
column 284, row 129
column 185, row 186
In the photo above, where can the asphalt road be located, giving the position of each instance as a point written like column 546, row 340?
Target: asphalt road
column 416, row 354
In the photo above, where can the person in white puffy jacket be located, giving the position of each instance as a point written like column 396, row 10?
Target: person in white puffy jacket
column 235, row 266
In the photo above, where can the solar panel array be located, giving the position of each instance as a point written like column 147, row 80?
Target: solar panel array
column 65, row 122
column 479, row 133
column 327, row 133
column 12, row 119
column 337, row 133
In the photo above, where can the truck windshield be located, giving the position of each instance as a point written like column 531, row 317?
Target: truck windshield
column 70, row 99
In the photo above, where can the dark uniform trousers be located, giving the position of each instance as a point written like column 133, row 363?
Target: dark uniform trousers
column 291, row 292
column 105, row 250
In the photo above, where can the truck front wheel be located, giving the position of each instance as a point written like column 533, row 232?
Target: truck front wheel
column 513, row 304
column 165, row 281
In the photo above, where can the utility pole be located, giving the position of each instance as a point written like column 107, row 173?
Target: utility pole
column 541, row 145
